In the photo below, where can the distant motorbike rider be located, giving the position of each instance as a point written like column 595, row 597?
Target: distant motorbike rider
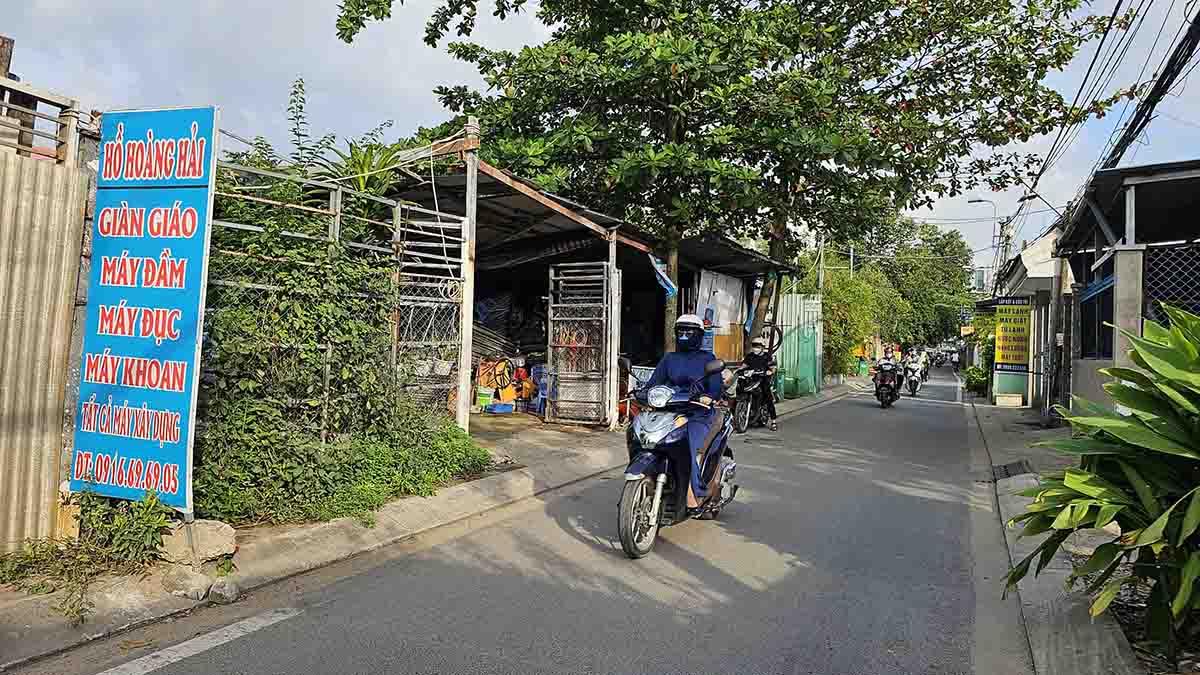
column 681, row 369
column 889, row 355
column 924, row 365
column 759, row 360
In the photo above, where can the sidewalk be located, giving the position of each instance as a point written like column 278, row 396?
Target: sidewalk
column 1063, row 638
column 545, row 457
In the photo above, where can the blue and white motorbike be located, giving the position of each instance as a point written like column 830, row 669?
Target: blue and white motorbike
column 660, row 466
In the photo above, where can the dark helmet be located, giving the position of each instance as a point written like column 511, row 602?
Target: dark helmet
column 689, row 333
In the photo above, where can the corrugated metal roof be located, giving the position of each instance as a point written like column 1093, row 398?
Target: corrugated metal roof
column 41, row 228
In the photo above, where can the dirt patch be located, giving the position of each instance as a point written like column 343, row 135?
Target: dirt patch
column 1129, row 609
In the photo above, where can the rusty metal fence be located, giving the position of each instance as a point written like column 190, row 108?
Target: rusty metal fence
column 328, row 302
column 1171, row 274
column 578, row 342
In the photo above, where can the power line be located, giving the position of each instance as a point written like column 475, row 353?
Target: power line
column 1180, row 119
column 1078, row 94
column 1174, row 66
column 858, row 255
column 973, row 220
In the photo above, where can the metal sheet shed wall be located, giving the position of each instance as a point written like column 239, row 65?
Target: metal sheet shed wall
column 41, row 228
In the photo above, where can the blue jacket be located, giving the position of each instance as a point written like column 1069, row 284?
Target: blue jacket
column 681, row 369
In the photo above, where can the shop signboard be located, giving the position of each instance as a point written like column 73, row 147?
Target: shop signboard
column 135, row 419
column 1012, row 334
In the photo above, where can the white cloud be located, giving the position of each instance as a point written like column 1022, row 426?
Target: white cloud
column 243, row 54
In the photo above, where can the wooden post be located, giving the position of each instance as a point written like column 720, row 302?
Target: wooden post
column 1050, row 342
column 821, row 265
column 467, row 312
column 68, row 135
column 672, row 308
column 614, row 332
column 7, row 46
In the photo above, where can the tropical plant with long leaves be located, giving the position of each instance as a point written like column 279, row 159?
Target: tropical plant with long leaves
column 1139, row 467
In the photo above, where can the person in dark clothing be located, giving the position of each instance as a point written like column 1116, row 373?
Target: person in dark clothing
column 681, row 369
column 758, row 359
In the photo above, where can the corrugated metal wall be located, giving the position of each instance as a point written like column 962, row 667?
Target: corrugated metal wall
column 41, row 228
column 800, row 356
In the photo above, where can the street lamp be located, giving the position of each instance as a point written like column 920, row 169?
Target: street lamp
column 995, row 214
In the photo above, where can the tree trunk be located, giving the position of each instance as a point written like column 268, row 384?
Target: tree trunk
column 778, row 252
column 761, row 308
column 672, row 310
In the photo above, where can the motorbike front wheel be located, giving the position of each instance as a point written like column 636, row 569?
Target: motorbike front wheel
column 741, row 415
column 637, row 528
column 912, row 388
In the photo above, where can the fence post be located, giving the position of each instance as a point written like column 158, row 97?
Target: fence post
column 467, row 312
column 68, row 135
column 335, row 233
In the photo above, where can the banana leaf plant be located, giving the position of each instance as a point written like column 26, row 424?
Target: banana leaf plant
column 1139, row 467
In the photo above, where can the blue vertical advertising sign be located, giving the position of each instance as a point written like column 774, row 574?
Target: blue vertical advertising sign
column 135, row 422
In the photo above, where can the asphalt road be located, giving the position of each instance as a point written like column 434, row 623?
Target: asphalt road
column 860, row 544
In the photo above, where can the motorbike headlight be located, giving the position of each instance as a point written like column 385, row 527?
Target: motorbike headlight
column 659, row 397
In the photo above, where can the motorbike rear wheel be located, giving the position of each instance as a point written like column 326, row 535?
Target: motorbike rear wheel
column 741, row 415
column 637, row 528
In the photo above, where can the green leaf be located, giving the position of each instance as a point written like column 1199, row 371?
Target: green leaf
column 1142, row 488
column 1085, row 446
column 1154, row 532
column 1064, row 518
column 1107, row 513
column 1165, row 361
column 1135, row 433
column 1156, row 332
column 1049, row 548
column 1182, row 398
column 1109, row 594
column 1189, row 322
column 1036, row 525
column 1191, row 518
column 1129, row 375
column 1096, row 487
column 1103, row 556
column 1155, row 412
column 1187, row 578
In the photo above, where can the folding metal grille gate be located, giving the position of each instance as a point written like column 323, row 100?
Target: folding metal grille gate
column 578, row 342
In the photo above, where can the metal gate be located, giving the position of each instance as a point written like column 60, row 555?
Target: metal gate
column 578, row 342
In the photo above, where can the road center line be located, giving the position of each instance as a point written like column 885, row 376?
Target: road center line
column 202, row 643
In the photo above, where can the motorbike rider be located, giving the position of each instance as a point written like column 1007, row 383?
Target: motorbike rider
column 759, row 360
column 681, row 369
column 924, row 365
column 889, row 355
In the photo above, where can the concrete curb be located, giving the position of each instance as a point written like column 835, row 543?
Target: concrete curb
column 31, row 630
column 1063, row 637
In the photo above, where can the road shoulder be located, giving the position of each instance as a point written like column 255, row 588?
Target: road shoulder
column 1063, row 638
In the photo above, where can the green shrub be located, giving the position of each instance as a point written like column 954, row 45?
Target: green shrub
column 115, row 537
column 1140, row 469
column 254, row 467
column 975, row 380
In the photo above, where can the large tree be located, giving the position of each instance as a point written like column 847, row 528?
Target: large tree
column 757, row 117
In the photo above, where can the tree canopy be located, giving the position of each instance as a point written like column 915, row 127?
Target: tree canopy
column 764, row 118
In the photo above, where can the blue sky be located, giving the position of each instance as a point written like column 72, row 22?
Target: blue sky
column 243, row 54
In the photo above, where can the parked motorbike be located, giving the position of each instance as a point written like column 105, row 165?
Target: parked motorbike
column 749, row 392
column 887, row 384
column 914, row 375
column 660, row 466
